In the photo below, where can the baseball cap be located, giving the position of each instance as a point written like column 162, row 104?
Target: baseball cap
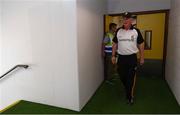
column 127, row 15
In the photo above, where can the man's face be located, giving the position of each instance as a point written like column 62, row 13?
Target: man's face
column 127, row 22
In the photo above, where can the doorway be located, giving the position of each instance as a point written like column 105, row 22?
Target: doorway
column 154, row 27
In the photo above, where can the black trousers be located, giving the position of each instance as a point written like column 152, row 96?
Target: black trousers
column 127, row 65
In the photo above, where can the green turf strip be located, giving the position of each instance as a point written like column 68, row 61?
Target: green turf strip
column 152, row 95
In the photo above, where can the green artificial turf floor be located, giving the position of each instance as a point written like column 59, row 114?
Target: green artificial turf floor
column 152, row 95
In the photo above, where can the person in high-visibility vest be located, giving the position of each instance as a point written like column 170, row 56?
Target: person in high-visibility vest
column 107, row 51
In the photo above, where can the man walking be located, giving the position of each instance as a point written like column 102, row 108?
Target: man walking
column 127, row 42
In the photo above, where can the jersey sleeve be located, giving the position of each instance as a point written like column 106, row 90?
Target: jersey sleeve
column 139, row 38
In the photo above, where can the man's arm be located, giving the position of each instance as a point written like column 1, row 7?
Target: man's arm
column 114, row 48
column 141, row 52
column 140, row 45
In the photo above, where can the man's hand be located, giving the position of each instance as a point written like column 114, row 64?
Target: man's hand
column 113, row 59
column 141, row 61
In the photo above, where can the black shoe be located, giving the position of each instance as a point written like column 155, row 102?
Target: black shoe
column 131, row 101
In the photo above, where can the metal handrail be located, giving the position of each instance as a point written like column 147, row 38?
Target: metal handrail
column 24, row 66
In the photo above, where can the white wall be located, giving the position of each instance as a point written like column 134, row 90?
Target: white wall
column 41, row 33
column 90, row 34
column 0, row 36
column 173, row 50
column 61, row 41
column 119, row 6
column 0, row 41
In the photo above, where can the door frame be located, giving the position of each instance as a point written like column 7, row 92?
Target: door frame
column 166, row 11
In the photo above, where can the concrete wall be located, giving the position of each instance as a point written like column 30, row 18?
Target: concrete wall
column 119, row 6
column 173, row 50
column 90, row 34
column 41, row 33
